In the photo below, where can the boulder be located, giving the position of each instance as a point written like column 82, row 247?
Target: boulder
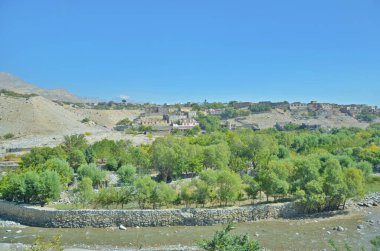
column 121, row 227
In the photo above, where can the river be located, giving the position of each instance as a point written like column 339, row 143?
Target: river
column 300, row 234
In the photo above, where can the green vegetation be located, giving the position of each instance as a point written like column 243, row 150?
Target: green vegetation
column 259, row 108
column 124, row 122
column 15, row 94
column 319, row 170
column 365, row 116
column 373, row 185
column 85, row 120
column 8, row 136
column 52, row 245
column 224, row 241
column 376, row 242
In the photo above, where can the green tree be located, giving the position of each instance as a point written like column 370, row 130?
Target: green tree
column 66, row 173
column 187, row 193
column 229, row 186
column 252, row 187
column 216, row 156
column 50, row 187
column 209, row 123
column 112, row 164
column 91, row 171
column 366, row 168
column 355, row 183
column 144, row 189
column 162, row 194
column 335, row 186
column 126, row 195
column 127, row 174
column 72, row 142
column 224, row 241
column 84, row 191
column 76, row 158
column 201, row 193
column 40, row 155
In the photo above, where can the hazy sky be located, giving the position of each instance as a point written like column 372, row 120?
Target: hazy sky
column 178, row 51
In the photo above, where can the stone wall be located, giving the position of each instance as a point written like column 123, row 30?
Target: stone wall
column 45, row 217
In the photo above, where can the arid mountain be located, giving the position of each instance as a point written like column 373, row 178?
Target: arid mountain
column 12, row 83
column 39, row 116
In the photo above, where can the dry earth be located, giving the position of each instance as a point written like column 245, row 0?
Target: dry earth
column 106, row 118
column 329, row 120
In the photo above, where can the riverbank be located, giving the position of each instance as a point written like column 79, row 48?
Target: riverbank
column 81, row 218
column 98, row 218
column 273, row 234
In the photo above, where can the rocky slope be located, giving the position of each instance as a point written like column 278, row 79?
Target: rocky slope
column 38, row 116
column 12, row 83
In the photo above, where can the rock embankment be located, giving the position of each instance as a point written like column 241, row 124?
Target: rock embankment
column 7, row 223
column 370, row 200
column 41, row 217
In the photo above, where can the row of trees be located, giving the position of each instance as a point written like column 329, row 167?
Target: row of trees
column 321, row 169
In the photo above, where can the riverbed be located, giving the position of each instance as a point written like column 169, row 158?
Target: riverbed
column 300, row 234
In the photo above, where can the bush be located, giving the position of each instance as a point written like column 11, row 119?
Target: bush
column 8, row 136
column 85, row 120
column 127, row 174
column 125, row 122
column 31, row 187
column 91, row 171
column 222, row 240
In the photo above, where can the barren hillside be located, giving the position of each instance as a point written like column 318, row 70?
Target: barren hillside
column 38, row 115
column 12, row 83
column 333, row 120
column 107, row 118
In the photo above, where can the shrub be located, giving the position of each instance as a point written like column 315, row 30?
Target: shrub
column 85, row 120
column 8, row 136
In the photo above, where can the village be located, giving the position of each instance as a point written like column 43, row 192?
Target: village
column 184, row 117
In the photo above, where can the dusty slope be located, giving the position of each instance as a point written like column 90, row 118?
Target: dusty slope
column 9, row 82
column 107, row 118
column 40, row 116
column 334, row 120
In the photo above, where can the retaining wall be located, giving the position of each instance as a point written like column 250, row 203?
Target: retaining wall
column 46, row 217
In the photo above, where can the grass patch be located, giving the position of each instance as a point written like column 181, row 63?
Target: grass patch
column 16, row 95
column 373, row 185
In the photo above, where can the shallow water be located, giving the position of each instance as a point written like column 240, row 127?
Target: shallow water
column 306, row 234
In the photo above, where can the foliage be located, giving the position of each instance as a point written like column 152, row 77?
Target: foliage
column 15, row 94
column 32, row 187
column 76, row 158
column 40, row 155
column 224, row 241
column 365, row 116
column 144, row 189
column 75, row 141
column 127, row 174
column 65, row 172
column 84, row 192
column 229, row 185
column 125, row 121
column 259, row 108
column 85, row 120
column 376, row 242
column 8, row 136
column 40, row 245
column 209, row 123
column 91, row 171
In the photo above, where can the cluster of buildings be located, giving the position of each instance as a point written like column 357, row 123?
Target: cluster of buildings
column 166, row 118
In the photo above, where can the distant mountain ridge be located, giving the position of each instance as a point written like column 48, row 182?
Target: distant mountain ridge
column 13, row 83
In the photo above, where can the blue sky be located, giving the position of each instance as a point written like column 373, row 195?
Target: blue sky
column 179, row 51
